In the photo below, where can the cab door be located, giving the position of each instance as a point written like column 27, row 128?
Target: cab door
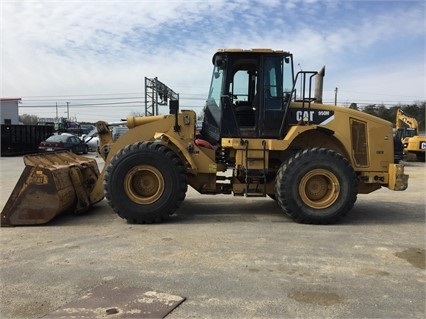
column 275, row 90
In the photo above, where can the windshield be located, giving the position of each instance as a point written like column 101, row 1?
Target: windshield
column 57, row 138
column 410, row 132
column 216, row 85
column 215, row 93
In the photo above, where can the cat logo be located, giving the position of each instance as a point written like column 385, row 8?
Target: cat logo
column 319, row 117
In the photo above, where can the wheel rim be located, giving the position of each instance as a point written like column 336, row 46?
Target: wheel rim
column 319, row 188
column 144, row 184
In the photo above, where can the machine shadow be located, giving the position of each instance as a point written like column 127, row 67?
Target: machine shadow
column 100, row 214
column 224, row 209
column 219, row 209
column 240, row 210
column 384, row 212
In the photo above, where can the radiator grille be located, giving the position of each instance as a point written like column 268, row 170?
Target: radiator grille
column 359, row 142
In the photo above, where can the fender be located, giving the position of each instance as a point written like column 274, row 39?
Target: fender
column 198, row 158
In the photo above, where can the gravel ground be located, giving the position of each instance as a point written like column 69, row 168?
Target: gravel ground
column 229, row 257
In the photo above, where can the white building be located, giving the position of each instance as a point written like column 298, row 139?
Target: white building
column 9, row 110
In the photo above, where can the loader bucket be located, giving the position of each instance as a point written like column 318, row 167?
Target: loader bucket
column 51, row 184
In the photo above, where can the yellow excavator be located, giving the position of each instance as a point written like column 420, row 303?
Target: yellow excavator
column 407, row 130
column 260, row 136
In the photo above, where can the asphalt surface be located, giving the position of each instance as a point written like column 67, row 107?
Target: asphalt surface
column 229, row 257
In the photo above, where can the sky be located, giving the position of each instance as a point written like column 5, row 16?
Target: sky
column 95, row 55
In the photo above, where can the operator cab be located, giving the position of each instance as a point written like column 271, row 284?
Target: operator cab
column 249, row 94
column 405, row 132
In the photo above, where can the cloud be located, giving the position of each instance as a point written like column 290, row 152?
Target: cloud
column 102, row 47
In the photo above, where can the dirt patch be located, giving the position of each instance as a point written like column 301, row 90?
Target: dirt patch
column 415, row 256
column 316, row 297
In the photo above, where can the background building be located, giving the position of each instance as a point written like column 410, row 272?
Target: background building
column 9, row 110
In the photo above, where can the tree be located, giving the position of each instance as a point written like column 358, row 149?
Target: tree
column 371, row 109
column 353, row 106
column 385, row 113
column 28, row 119
column 416, row 110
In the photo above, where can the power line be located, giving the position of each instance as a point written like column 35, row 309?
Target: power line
column 23, row 105
column 84, row 104
column 96, row 96
column 70, row 95
column 83, row 99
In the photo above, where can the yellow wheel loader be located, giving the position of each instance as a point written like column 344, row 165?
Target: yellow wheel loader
column 264, row 133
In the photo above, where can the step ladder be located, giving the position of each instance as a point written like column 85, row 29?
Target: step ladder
column 255, row 178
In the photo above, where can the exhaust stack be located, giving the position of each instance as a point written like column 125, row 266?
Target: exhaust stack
column 319, row 80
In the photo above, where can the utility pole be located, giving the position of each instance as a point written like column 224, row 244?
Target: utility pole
column 335, row 96
column 68, row 110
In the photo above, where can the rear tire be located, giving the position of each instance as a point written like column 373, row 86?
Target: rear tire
column 316, row 186
column 145, row 182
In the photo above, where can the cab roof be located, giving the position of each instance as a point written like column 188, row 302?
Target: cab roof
column 249, row 51
column 254, row 50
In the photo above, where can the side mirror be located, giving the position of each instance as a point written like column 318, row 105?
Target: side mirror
column 174, row 107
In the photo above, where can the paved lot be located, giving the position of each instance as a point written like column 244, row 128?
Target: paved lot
column 230, row 257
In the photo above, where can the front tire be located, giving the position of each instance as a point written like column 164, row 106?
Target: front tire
column 145, row 182
column 316, row 186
